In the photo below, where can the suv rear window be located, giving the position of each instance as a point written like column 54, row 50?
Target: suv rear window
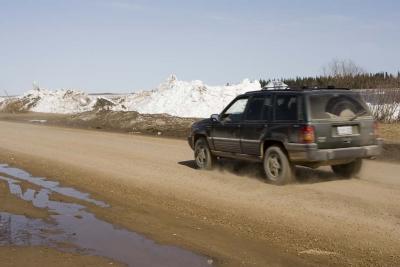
column 337, row 106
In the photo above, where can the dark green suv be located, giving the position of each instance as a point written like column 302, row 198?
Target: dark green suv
column 284, row 128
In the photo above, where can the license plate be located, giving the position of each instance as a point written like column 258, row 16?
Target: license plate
column 345, row 130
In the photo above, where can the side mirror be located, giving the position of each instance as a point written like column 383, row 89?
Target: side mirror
column 215, row 117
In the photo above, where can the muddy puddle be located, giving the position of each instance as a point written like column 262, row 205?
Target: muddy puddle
column 71, row 227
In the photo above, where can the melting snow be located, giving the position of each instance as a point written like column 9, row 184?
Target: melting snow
column 174, row 97
column 59, row 101
column 186, row 99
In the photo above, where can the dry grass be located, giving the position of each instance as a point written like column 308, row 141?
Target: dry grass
column 14, row 106
column 390, row 131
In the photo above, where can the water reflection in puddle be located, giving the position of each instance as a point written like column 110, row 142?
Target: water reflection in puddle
column 49, row 185
column 72, row 224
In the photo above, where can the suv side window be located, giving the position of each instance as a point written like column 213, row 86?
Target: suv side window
column 255, row 109
column 267, row 108
column 235, row 110
column 286, row 107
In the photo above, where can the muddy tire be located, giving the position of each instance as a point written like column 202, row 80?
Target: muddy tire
column 348, row 170
column 277, row 167
column 202, row 155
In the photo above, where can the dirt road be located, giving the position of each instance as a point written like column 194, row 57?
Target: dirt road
column 230, row 213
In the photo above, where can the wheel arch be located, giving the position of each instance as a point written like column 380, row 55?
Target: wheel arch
column 267, row 143
column 197, row 136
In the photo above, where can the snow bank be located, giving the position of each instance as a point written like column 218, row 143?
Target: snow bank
column 2, row 102
column 385, row 112
column 59, row 101
column 186, row 99
column 173, row 97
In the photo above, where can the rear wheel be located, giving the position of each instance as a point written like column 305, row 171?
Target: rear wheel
column 202, row 155
column 348, row 170
column 277, row 166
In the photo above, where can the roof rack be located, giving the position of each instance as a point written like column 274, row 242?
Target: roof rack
column 302, row 88
column 275, row 88
column 306, row 88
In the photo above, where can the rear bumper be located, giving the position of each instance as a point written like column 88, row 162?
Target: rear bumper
column 311, row 153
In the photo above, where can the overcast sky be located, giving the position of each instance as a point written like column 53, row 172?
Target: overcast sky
column 126, row 45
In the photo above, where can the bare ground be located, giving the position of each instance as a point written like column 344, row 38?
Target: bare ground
column 40, row 256
column 127, row 122
column 160, row 125
column 230, row 213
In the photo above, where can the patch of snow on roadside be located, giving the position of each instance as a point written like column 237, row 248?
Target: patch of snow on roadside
column 59, row 101
column 4, row 102
column 319, row 252
column 186, row 99
column 173, row 97
column 385, row 112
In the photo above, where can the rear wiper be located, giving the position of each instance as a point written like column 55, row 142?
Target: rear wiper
column 358, row 115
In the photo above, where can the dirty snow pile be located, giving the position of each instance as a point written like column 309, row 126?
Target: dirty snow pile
column 186, row 99
column 2, row 103
column 58, row 101
column 173, row 97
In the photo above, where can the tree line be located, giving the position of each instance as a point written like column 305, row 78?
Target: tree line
column 344, row 73
column 358, row 81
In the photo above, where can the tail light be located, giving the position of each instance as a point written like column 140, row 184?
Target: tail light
column 376, row 129
column 307, row 134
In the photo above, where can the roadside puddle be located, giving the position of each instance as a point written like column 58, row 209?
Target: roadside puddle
column 72, row 228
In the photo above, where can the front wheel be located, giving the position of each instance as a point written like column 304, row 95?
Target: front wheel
column 277, row 167
column 202, row 155
column 348, row 170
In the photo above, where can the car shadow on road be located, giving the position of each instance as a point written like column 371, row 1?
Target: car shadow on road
column 188, row 163
column 304, row 175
